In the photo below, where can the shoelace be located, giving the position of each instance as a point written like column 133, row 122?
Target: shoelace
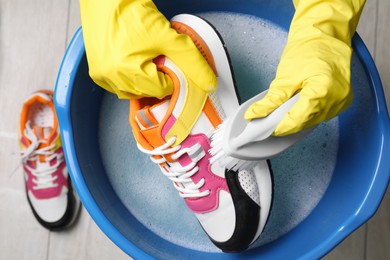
column 43, row 174
column 179, row 174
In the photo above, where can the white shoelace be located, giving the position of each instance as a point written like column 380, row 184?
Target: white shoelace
column 43, row 171
column 179, row 174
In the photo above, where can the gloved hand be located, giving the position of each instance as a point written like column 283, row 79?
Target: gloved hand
column 316, row 63
column 123, row 37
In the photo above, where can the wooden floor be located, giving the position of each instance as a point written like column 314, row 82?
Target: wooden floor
column 33, row 38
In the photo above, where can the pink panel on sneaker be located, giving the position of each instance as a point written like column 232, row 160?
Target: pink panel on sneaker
column 29, row 183
column 168, row 125
column 214, row 183
column 53, row 137
column 52, row 192
column 24, row 141
column 185, row 160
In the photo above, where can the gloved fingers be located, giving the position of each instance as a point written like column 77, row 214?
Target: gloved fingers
column 198, row 70
column 188, row 58
column 122, row 38
column 144, row 80
column 304, row 114
column 316, row 61
column 181, row 49
column 315, row 105
column 278, row 93
column 132, row 79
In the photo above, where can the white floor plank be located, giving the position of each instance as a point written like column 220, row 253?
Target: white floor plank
column 367, row 25
column 21, row 236
column 31, row 49
column 382, row 55
column 83, row 242
column 352, row 248
column 32, row 38
column 378, row 232
column 74, row 22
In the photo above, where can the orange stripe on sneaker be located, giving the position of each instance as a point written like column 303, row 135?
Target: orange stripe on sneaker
column 153, row 136
column 212, row 113
column 150, row 137
column 135, row 105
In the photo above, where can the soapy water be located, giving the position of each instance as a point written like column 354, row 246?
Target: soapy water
column 254, row 46
column 301, row 174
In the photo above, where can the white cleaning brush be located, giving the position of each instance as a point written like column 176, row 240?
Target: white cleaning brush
column 237, row 143
column 225, row 161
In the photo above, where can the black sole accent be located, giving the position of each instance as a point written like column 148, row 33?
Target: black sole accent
column 273, row 189
column 69, row 216
column 247, row 217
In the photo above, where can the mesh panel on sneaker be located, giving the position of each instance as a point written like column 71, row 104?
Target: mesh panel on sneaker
column 248, row 182
column 217, row 104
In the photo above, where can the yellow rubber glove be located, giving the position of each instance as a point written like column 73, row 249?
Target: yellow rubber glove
column 316, row 63
column 123, row 37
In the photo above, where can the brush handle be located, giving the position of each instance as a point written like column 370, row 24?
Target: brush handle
column 253, row 140
column 261, row 128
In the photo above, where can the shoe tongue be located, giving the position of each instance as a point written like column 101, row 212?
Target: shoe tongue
column 149, row 119
column 42, row 132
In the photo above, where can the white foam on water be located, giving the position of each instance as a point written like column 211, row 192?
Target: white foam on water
column 254, row 46
column 301, row 174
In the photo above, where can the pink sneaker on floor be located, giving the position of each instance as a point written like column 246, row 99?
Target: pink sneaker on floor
column 48, row 186
column 231, row 206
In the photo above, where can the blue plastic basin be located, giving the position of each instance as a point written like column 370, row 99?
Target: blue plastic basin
column 358, row 183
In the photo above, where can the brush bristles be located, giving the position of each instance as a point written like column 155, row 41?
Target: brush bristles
column 218, row 154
